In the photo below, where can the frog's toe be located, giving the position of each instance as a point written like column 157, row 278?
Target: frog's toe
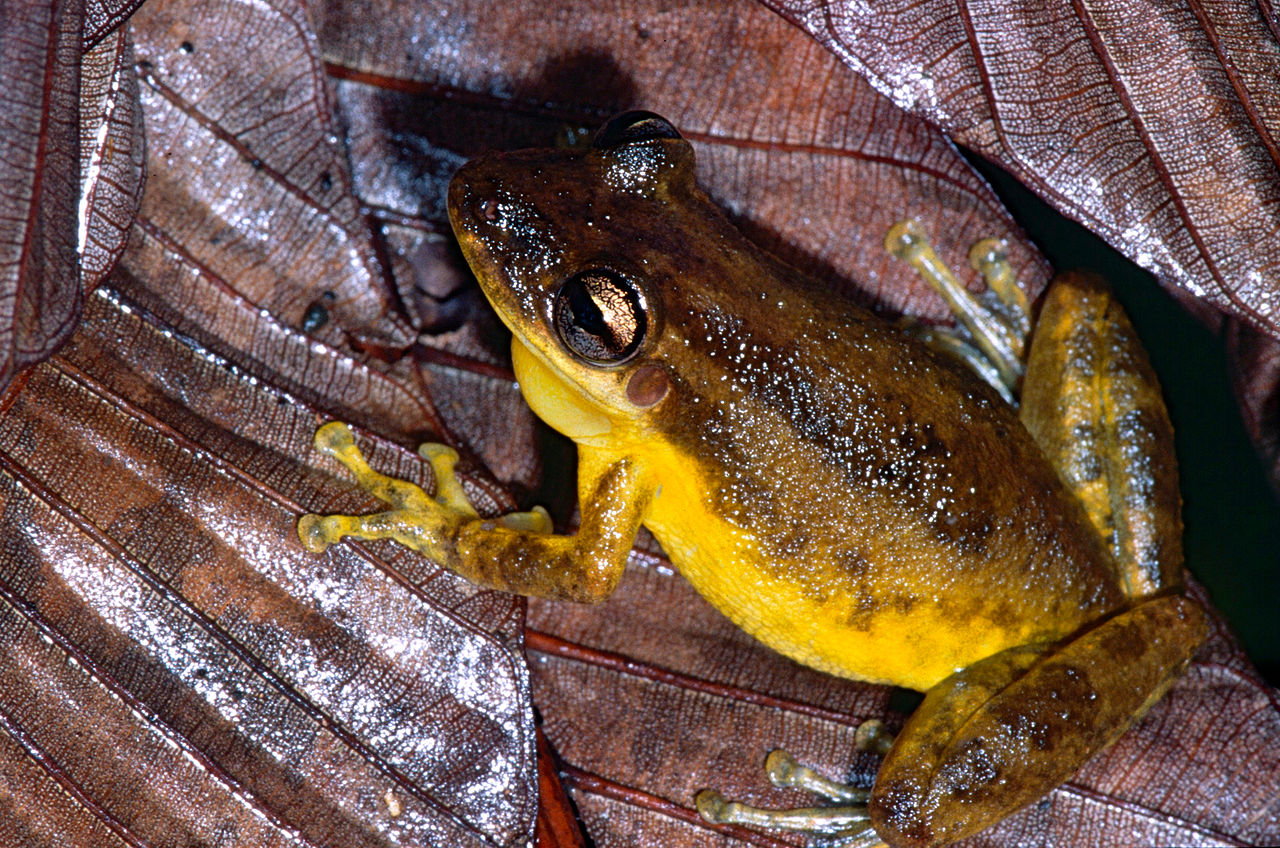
column 318, row 532
column 451, row 495
column 422, row 522
column 312, row 533
column 449, row 491
column 847, row 821
column 990, row 258
column 873, row 737
column 849, row 824
column 536, row 520
column 782, row 768
column 334, row 439
column 995, row 324
column 415, row 518
column 786, row 772
column 957, row 345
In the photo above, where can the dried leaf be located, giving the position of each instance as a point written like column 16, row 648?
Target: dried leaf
column 104, row 17
column 811, row 162
column 111, row 154
column 279, row 285
column 653, row 696
column 1154, row 124
column 251, row 240
column 176, row 663
column 247, row 175
column 71, row 164
column 39, row 276
column 557, row 825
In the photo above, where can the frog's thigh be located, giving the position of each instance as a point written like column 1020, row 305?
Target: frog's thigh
column 1000, row 734
column 1091, row 401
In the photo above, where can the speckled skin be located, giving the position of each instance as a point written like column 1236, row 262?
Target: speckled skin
column 835, row 487
column 843, row 493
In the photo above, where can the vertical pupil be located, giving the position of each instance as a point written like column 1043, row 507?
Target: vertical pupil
column 586, row 312
column 599, row 316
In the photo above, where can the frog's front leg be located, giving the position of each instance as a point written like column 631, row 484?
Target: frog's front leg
column 514, row 553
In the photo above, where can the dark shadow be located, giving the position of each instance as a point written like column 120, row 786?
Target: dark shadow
column 1232, row 535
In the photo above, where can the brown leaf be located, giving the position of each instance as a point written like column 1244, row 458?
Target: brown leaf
column 39, row 90
column 811, row 162
column 176, row 669
column 104, row 17
column 274, row 285
column 653, row 696
column 1152, row 123
column 251, row 240
column 71, row 162
column 248, row 176
column 111, row 154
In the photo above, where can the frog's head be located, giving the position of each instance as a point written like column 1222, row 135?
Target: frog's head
column 576, row 250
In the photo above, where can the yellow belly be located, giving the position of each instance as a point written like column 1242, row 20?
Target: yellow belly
column 846, row 627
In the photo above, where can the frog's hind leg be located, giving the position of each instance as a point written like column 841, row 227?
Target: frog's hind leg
column 1092, row 402
column 846, row 820
column 1001, row 733
column 993, row 329
column 997, row 735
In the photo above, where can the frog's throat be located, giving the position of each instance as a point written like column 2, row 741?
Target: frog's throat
column 554, row 399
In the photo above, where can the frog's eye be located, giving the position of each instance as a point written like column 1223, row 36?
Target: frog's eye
column 600, row 316
column 631, row 127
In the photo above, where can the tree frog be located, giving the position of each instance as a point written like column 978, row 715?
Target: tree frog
column 844, row 490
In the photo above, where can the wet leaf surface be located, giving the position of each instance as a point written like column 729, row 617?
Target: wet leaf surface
column 1152, row 123
column 184, row 671
column 291, row 263
column 39, row 276
column 251, row 239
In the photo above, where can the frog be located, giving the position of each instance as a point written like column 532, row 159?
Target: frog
column 991, row 523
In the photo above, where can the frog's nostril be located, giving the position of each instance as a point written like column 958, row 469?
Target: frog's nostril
column 489, row 210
